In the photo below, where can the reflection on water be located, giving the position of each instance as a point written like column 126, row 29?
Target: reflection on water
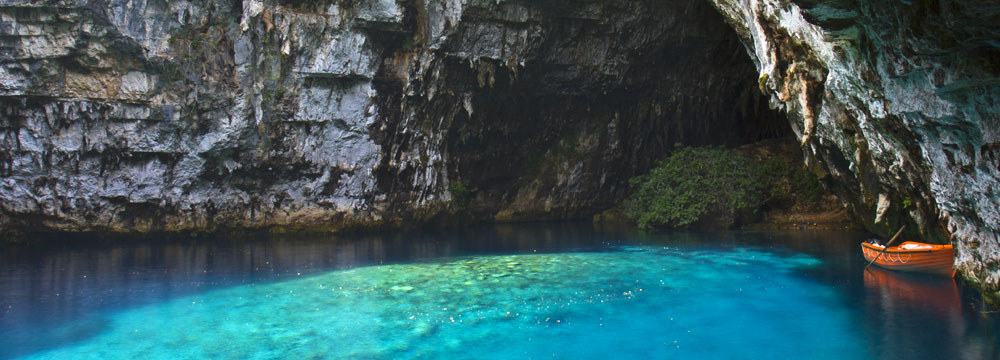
column 899, row 292
column 931, row 308
column 66, row 295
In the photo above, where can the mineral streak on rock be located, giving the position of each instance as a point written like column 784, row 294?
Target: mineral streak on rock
column 898, row 103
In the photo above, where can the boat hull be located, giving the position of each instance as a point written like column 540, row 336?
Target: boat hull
column 938, row 259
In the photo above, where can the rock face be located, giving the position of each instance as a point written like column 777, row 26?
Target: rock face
column 898, row 104
column 322, row 114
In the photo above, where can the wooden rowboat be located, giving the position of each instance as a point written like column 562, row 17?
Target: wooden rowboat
column 912, row 256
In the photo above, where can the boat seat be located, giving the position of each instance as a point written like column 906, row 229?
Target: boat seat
column 909, row 245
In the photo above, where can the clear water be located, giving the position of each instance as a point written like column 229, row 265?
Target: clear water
column 509, row 292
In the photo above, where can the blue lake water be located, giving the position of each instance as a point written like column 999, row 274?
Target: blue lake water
column 563, row 291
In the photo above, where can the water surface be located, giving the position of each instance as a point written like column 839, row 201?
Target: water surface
column 500, row 292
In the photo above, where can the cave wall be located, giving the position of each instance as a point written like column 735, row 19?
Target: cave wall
column 157, row 115
column 153, row 115
column 896, row 104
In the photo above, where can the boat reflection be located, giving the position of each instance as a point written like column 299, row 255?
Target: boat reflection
column 907, row 311
column 927, row 294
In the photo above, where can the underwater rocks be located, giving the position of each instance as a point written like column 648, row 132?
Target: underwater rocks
column 365, row 312
column 896, row 105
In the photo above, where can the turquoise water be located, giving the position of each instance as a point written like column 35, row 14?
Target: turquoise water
column 585, row 297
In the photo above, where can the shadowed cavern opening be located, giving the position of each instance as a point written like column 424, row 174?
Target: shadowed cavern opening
column 544, row 110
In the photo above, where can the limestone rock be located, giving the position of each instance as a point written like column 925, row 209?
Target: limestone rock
column 897, row 102
column 139, row 116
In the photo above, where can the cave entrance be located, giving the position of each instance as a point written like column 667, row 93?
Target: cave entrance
column 549, row 108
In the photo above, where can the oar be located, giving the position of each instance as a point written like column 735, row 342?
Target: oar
column 886, row 246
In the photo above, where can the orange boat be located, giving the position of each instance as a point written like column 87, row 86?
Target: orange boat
column 912, row 256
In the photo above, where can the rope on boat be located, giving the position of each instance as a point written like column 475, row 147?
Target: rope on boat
column 889, row 256
column 899, row 258
column 886, row 247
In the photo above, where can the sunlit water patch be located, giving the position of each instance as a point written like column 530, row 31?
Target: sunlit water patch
column 635, row 302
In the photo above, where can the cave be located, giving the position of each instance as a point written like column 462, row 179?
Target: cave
column 544, row 110
column 449, row 178
column 323, row 115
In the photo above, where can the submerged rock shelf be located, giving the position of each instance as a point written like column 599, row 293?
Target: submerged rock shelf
column 569, row 290
column 639, row 300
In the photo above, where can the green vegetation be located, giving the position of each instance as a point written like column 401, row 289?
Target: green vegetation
column 695, row 184
column 691, row 183
column 787, row 181
column 762, row 82
column 459, row 194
